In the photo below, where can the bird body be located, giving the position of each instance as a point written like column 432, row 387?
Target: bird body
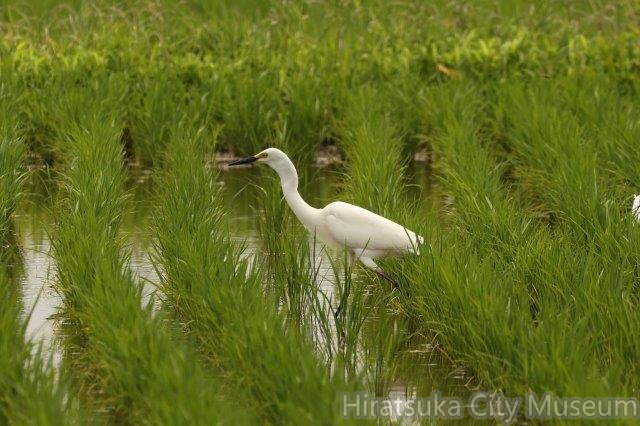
column 635, row 207
column 361, row 229
column 366, row 235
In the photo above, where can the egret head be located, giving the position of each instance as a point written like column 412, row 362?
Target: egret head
column 270, row 156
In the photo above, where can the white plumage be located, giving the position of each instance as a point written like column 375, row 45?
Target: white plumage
column 366, row 235
column 635, row 207
column 361, row 229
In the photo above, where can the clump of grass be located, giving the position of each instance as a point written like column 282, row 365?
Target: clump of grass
column 31, row 391
column 153, row 115
column 12, row 152
column 609, row 115
column 479, row 274
column 127, row 362
column 219, row 297
column 374, row 177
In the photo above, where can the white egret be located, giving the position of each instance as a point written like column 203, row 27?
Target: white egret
column 366, row 235
column 635, row 207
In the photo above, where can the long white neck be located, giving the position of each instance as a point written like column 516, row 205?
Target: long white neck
column 289, row 182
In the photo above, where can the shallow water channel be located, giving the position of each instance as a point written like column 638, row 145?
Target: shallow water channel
column 420, row 368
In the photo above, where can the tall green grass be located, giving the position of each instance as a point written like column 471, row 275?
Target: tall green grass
column 374, row 155
column 12, row 153
column 609, row 115
column 31, row 391
column 128, row 364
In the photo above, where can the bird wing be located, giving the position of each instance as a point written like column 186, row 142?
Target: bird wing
column 360, row 228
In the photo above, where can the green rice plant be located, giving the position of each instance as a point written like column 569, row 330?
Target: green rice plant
column 374, row 179
column 478, row 206
column 579, row 196
column 575, row 189
column 40, row 134
column 60, row 98
column 576, row 192
column 31, row 392
column 249, row 111
column 384, row 340
column 530, row 117
column 373, row 151
column 556, row 273
column 127, row 362
column 218, row 296
column 12, row 152
column 526, row 310
column 610, row 117
column 461, row 280
column 306, row 112
column 404, row 98
column 267, row 109
column 154, row 116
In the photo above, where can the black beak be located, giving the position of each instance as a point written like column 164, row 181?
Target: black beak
column 247, row 160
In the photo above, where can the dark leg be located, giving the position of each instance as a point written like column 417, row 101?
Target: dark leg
column 336, row 313
column 384, row 275
column 338, row 324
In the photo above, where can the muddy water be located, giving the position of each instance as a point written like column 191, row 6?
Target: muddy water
column 420, row 368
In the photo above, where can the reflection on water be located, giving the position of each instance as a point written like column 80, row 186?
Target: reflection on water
column 420, row 368
column 39, row 299
column 142, row 268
